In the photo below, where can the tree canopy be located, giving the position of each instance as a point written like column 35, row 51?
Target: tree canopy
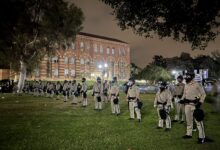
column 194, row 21
column 31, row 28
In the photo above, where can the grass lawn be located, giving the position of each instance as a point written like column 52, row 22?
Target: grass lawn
column 28, row 122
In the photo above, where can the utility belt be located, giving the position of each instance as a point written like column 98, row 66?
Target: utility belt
column 113, row 94
column 96, row 92
column 159, row 103
column 189, row 101
column 131, row 98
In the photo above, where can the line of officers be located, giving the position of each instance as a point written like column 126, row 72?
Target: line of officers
column 102, row 92
column 187, row 99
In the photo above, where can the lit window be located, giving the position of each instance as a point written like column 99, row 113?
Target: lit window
column 108, row 50
column 113, row 51
column 101, row 49
column 55, row 59
column 66, row 60
column 95, row 48
column 55, row 72
column 81, row 44
column 37, row 72
column 72, row 60
column 82, row 61
column 72, row 73
column 66, row 72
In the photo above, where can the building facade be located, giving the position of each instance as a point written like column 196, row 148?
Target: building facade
column 89, row 56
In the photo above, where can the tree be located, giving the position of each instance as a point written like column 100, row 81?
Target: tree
column 135, row 70
column 216, row 57
column 30, row 29
column 195, row 21
column 155, row 73
column 158, row 60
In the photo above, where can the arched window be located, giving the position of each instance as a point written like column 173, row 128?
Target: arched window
column 66, row 60
column 82, row 61
column 72, row 60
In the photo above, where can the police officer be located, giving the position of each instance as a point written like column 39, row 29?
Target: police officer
column 84, row 92
column 105, row 91
column 58, row 90
column 65, row 90
column 178, row 93
column 133, row 97
column 97, row 91
column 163, row 102
column 74, row 92
column 114, row 95
column 193, row 96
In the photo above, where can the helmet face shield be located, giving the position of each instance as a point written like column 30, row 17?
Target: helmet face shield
column 189, row 77
column 98, row 79
column 163, row 86
column 83, row 79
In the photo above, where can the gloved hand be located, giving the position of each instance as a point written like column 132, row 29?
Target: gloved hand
column 155, row 106
column 198, row 105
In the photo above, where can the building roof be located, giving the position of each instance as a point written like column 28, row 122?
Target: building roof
column 101, row 37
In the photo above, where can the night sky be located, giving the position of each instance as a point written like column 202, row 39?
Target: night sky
column 98, row 20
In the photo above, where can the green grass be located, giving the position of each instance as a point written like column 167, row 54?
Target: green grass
column 28, row 122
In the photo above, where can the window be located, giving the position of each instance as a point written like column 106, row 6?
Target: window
column 66, row 72
column 72, row 73
column 113, row 51
column 37, row 72
column 95, row 48
column 87, row 45
column 101, row 49
column 108, row 50
column 123, row 51
column 55, row 59
column 55, row 72
column 82, row 61
column 66, row 60
column 119, row 52
column 87, row 61
column 81, row 45
column 72, row 60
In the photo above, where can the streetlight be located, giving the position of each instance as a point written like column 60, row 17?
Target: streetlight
column 105, row 65
column 174, row 72
column 100, row 66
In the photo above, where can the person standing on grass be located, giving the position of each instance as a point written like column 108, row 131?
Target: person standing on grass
column 74, row 92
column 163, row 102
column 193, row 97
column 65, row 91
column 97, row 92
column 105, row 91
column 178, row 93
column 114, row 94
column 84, row 92
column 133, row 98
column 58, row 90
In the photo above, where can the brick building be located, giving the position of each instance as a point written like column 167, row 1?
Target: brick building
column 89, row 56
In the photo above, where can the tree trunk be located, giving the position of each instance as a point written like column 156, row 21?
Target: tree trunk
column 22, row 77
